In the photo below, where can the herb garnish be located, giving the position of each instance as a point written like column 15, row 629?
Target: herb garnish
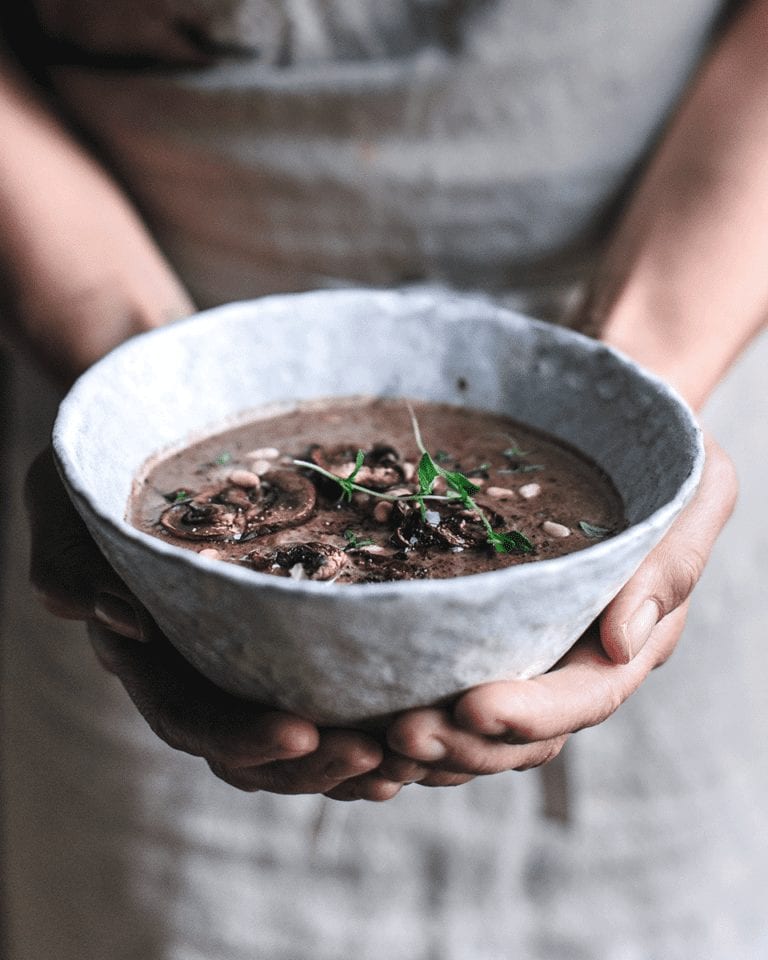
column 522, row 468
column 177, row 496
column 353, row 543
column 592, row 531
column 460, row 487
column 223, row 459
column 346, row 483
column 515, row 451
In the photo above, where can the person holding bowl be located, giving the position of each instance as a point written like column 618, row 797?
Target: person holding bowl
column 251, row 149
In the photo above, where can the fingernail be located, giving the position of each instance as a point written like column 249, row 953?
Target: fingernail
column 118, row 615
column 639, row 627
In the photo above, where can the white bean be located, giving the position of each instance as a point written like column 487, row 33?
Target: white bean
column 245, row 478
column 558, row 530
column 500, row 493
column 529, row 490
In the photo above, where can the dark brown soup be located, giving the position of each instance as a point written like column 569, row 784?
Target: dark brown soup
column 501, row 493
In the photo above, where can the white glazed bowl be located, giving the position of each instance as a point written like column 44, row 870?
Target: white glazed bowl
column 344, row 654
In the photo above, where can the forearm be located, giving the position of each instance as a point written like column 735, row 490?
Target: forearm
column 79, row 270
column 684, row 283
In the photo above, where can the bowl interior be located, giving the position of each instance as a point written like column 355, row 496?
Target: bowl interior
column 174, row 385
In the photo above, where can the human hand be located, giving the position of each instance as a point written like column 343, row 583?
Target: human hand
column 246, row 745
column 514, row 725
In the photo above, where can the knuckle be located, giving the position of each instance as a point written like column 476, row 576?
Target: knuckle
column 684, row 573
column 608, row 700
column 291, row 740
column 410, row 737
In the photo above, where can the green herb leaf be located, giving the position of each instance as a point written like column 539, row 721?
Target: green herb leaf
column 358, row 463
column 515, row 451
column 428, row 472
column 347, row 483
column 177, row 496
column 592, row 531
column 511, row 541
column 353, row 543
column 460, row 487
column 223, row 459
column 522, row 468
column 461, row 484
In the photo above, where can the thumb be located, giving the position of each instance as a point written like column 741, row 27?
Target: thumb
column 666, row 578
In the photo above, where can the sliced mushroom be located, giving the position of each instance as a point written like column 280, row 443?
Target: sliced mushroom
column 320, row 561
column 287, row 499
column 227, row 511
column 456, row 527
column 412, row 530
column 203, row 521
column 382, row 466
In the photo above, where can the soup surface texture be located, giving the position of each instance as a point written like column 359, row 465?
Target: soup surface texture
column 240, row 497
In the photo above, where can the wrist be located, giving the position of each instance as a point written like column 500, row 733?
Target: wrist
column 685, row 328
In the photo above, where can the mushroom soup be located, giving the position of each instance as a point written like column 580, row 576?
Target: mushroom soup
column 362, row 490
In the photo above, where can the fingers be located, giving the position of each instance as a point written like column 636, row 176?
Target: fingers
column 518, row 724
column 383, row 783
column 71, row 575
column 669, row 574
column 339, row 756
column 246, row 746
column 432, row 737
column 191, row 714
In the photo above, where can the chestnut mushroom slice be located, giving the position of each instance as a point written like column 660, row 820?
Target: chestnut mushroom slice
column 287, row 499
column 203, row 521
column 467, row 526
column 319, row 561
column 217, row 512
column 382, row 467
column 439, row 530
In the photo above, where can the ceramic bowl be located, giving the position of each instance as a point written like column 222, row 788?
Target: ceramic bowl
column 347, row 654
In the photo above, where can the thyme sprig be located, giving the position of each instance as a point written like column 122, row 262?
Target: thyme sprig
column 459, row 488
column 348, row 486
column 429, row 471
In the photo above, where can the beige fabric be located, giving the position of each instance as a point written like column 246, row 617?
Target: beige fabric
column 118, row 847
column 493, row 162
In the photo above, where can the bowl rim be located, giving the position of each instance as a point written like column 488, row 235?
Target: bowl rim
column 70, row 411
